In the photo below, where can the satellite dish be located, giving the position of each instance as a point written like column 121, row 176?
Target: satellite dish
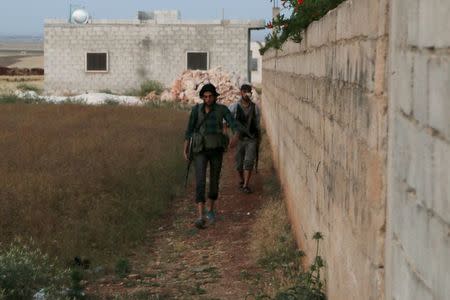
column 80, row 16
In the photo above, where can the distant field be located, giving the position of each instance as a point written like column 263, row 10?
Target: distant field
column 22, row 61
column 85, row 180
column 21, row 54
column 21, row 44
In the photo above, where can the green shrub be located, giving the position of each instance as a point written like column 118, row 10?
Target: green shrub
column 24, row 270
column 149, row 86
column 111, row 102
column 123, row 267
column 308, row 285
column 10, row 99
column 301, row 14
column 76, row 290
column 106, row 91
column 74, row 101
column 29, row 87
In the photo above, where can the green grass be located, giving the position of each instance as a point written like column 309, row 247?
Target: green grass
column 25, row 269
column 11, row 99
column 145, row 88
column 29, row 87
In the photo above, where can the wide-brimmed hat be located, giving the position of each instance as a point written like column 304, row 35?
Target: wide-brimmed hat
column 208, row 88
column 246, row 87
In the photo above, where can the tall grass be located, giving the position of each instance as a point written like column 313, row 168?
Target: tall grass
column 145, row 88
column 29, row 87
column 84, row 180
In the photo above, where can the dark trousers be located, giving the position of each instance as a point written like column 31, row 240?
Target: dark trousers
column 201, row 160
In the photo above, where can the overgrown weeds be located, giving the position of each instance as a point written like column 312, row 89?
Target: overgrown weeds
column 145, row 88
column 29, row 87
column 87, row 181
column 123, row 267
column 275, row 250
column 149, row 86
column 25, row 270
column 11, row 99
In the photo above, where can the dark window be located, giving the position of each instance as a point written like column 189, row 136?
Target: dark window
column 197, row 61
column 97, row 61
column 254, row 65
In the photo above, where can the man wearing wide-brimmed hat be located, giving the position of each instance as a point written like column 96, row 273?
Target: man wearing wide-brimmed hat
column 204, row 135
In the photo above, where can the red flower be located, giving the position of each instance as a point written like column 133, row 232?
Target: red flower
column 269, row 25
column 300, row 2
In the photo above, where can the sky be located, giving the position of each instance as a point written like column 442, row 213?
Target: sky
column 26, row 17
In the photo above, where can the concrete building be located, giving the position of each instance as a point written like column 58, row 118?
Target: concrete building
column 120, row 54
column 256, row 62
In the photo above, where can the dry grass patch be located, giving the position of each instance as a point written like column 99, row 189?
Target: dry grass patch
column 274, row 248
column 8, row 84
column 85, row 180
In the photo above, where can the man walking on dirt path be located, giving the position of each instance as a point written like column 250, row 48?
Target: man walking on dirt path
column 247, row 115
column 205, row 139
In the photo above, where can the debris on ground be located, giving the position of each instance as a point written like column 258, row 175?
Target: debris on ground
column 88, row 98
column 188, row 85
column 185, row 89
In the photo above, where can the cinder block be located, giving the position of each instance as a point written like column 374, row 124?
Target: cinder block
column 441, row 183
column 358, row 18
column 439, row 89
column 401, row 81
column 323, row 31
column 433, row 24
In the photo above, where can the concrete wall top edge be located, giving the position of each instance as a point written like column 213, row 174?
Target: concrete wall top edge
column 254, row 24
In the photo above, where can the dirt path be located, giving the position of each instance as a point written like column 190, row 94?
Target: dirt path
column 186, row 263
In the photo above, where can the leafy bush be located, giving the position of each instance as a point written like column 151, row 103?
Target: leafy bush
column 123, row 267
column 10, row 99
column 28, row 87
column 106, row 91
column 76, row 290
column 24, row 270
column 295, row 17
column 149, row 86
column 73, row 101
column 308, row 284
column 111, row 102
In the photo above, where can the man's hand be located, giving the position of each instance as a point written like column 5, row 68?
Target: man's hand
column 186, row 150
column 234, row 140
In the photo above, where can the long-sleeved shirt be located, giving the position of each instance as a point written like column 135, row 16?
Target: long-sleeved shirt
column 211, row 125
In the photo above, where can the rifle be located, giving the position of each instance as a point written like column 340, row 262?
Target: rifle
column 191, row 142
column 190, row 158
column 258, row 143
column 246, row 130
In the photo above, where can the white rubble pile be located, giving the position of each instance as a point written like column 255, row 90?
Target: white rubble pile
column 187, row 86
column 89, row 98
column 185, row 89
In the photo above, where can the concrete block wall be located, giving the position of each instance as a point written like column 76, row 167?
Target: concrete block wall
column 325, row 109
column 418, row 236
column 136, row 52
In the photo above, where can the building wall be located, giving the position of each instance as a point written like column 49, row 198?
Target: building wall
column 137, row 52
column 256, row 76
column 418, row 237
column 325, row 109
